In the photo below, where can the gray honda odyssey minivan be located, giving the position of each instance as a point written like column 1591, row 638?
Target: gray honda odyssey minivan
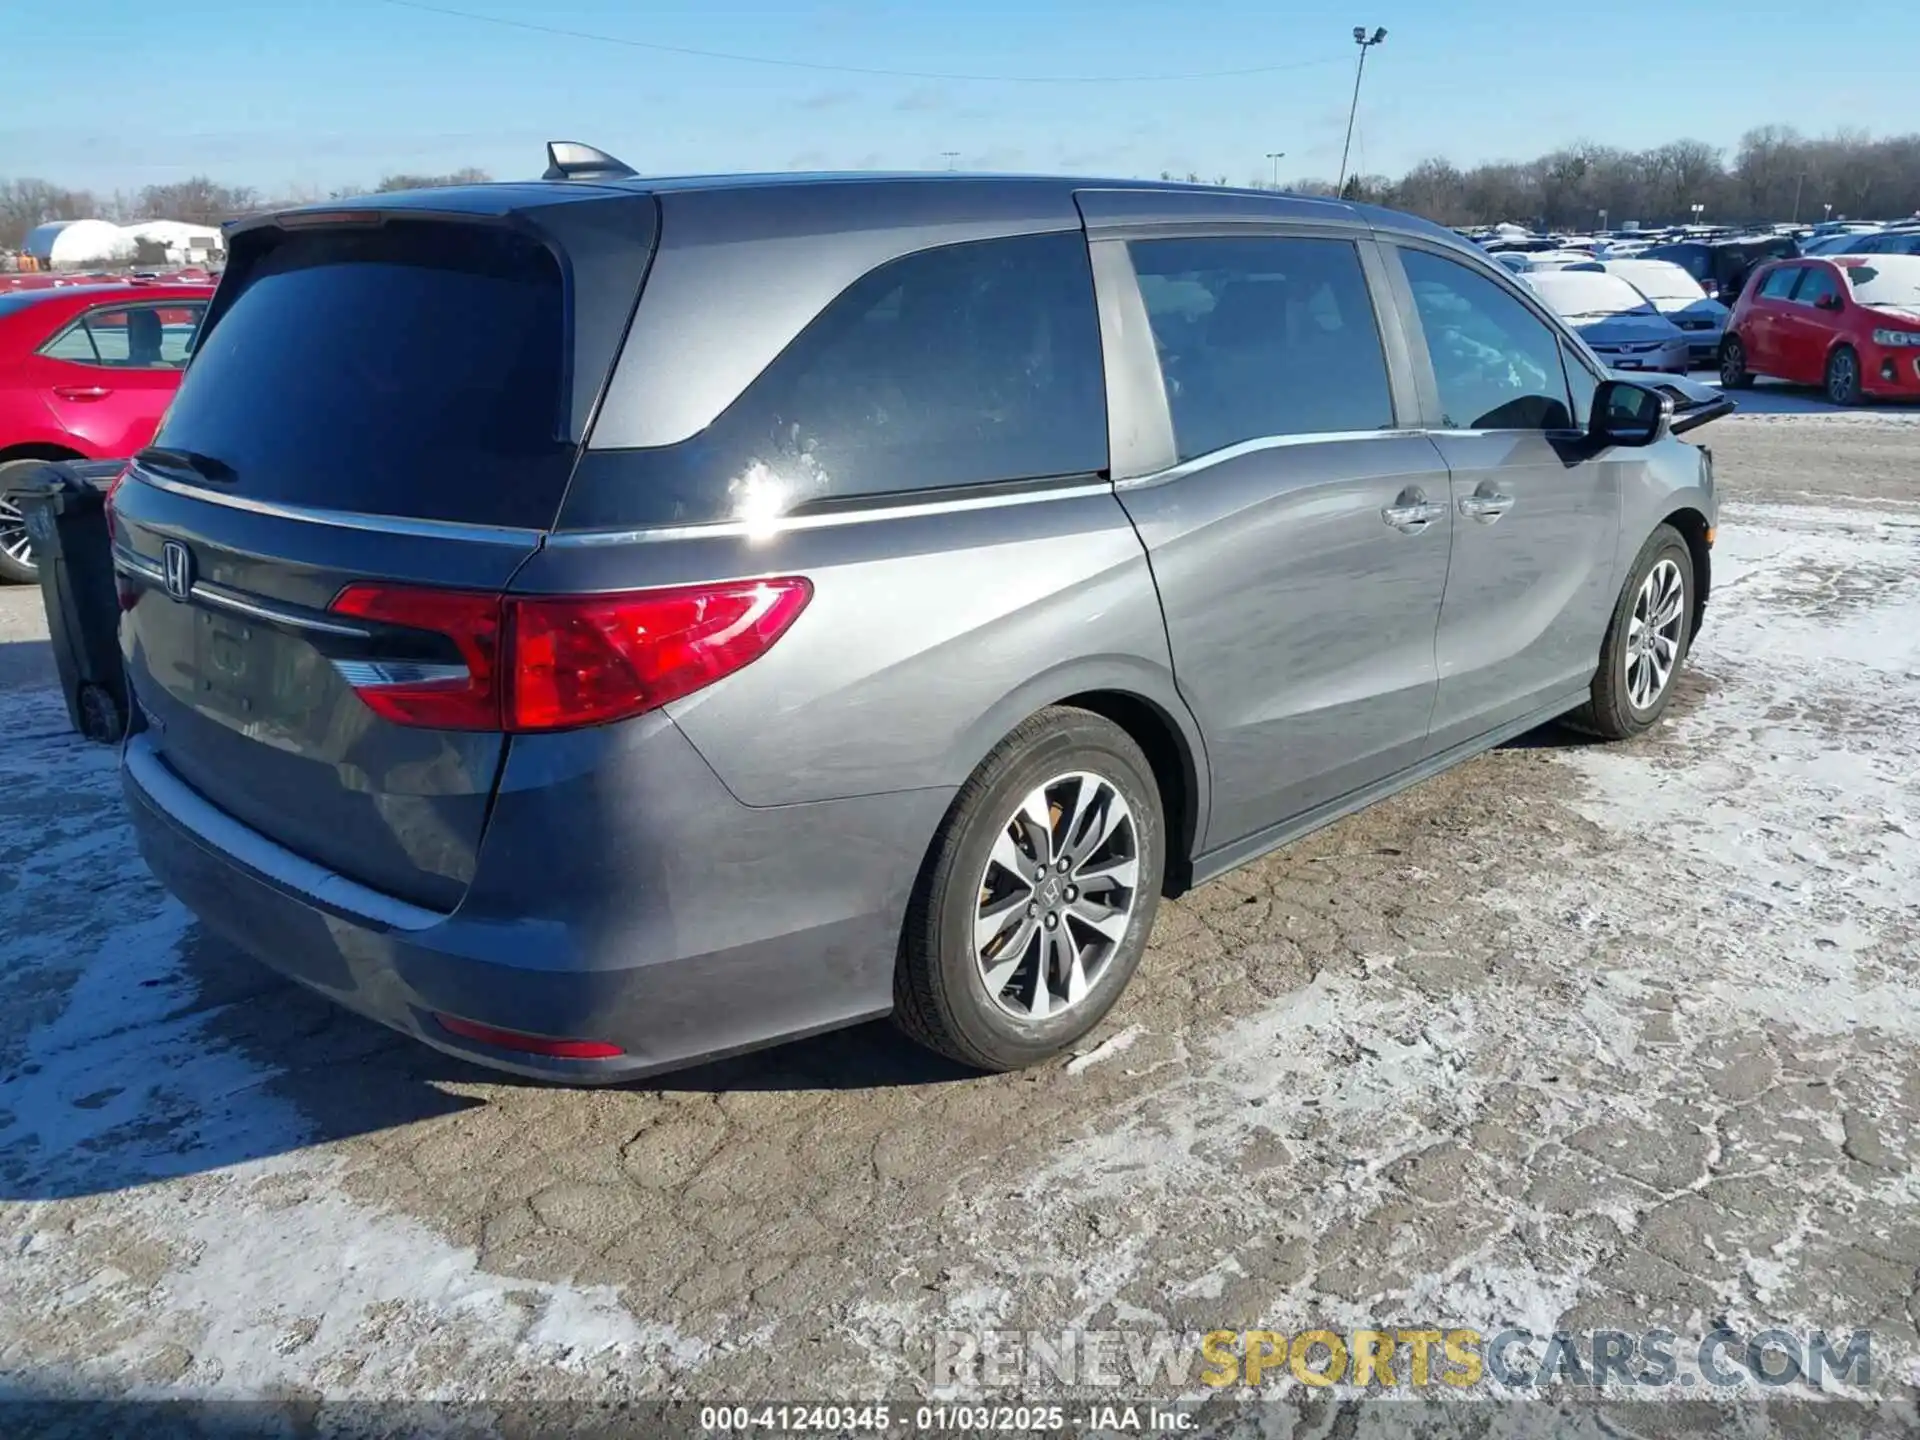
column 602, row 623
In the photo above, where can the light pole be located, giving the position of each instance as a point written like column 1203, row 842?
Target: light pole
column 1798, row 184
column 1365, row 42
column 950, row 156
column 1603, row 217
column 1276, row 156
column 1829, row 210
column 1698, row 210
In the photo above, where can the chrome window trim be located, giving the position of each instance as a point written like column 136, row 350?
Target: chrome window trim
column 761, row 530
column 1265, row 442
column 347, row 519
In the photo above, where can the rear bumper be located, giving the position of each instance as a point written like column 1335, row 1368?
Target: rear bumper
column 622, row 895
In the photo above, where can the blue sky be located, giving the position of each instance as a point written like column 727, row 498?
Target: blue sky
column 124, row 93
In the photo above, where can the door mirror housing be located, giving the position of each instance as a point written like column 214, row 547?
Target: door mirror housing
column 1827, row 302
column 1626, row 412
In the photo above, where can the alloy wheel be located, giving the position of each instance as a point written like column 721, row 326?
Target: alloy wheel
column 1653, row 634
column 1056, row 896
column 15, row 542
column 1733, row 364
column 1843, row 378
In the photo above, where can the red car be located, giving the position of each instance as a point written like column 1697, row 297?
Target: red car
column 85, row 372
column 1849, row 323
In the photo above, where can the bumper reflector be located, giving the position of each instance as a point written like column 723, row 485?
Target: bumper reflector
column 528, row 1044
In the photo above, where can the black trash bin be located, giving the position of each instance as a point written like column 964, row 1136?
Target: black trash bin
column 64, row 506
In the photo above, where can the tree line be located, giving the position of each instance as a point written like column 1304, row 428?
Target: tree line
column 200, row 201
column 1775, row 173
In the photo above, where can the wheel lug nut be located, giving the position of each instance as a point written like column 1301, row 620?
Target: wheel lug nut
column 1053, row 920
column 1061, row 867
column 1033, row 910
column 1072, row 893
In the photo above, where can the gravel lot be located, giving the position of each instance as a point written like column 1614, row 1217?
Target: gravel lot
column 1573, row 1036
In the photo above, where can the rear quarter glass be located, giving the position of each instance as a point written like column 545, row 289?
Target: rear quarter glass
column 447, row 342
column 942, row 370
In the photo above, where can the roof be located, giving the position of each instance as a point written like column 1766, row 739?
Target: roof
column 505, row 197
column 79, row 297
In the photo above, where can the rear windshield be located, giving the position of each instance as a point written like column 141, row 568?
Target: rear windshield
column 414, row 369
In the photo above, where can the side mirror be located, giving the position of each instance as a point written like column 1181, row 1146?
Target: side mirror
column 1827, row 302
column 1628, row 413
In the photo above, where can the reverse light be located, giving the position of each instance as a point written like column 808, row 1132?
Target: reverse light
column 1896, row 337
column 528, row 1044
column 458, row 699
column 560, row 662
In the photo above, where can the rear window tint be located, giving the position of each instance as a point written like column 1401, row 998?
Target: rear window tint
column 415, row 369
column 1779, row 283
column 966, row 365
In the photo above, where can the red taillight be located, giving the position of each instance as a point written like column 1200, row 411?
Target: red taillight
column 559, row 662
column 584, row 660
column 528, row 1044
column 471, row 621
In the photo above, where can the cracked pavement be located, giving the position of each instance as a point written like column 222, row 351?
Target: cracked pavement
column 1572, row 1036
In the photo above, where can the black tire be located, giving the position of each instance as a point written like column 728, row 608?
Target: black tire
column 940, row 994
column 1734, row 374
column 15, row 571
column 1843, row 376
column 1610, row 711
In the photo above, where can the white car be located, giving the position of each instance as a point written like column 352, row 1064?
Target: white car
column 1678, row 296
column 1622, row 326
column 1526, row 262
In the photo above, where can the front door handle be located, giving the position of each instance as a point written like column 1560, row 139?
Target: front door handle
column 82, row 392
column 1486, row 507
column 1411, row 512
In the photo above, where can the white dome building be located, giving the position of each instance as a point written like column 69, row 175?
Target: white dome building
column 78, row 244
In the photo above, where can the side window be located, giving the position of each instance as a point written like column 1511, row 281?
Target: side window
column 137, row 337
column 1819, row 284
column 1496, row 363
column 1261, row 336
column 1779, row 283
column 72, row 343
column 1582, row 384
column 964, row 365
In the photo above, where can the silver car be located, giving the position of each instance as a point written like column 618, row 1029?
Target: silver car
column 1679, row 297
column 1622, row 326
column 598, row 624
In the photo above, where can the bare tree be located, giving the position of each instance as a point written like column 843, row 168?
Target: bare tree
column 27, row 203
column 431, row 182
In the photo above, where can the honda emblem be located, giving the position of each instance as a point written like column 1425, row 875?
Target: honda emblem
column 179, row 565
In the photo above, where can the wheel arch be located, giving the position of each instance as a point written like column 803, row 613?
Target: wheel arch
column 1142, row 700
column 1693, row 528
column 38, row 450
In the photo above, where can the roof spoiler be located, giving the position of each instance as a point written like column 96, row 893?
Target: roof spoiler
column 570, row 160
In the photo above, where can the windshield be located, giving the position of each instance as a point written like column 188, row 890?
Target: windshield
column 1888, row 280
column 1657, row 279
column 1581, row 293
